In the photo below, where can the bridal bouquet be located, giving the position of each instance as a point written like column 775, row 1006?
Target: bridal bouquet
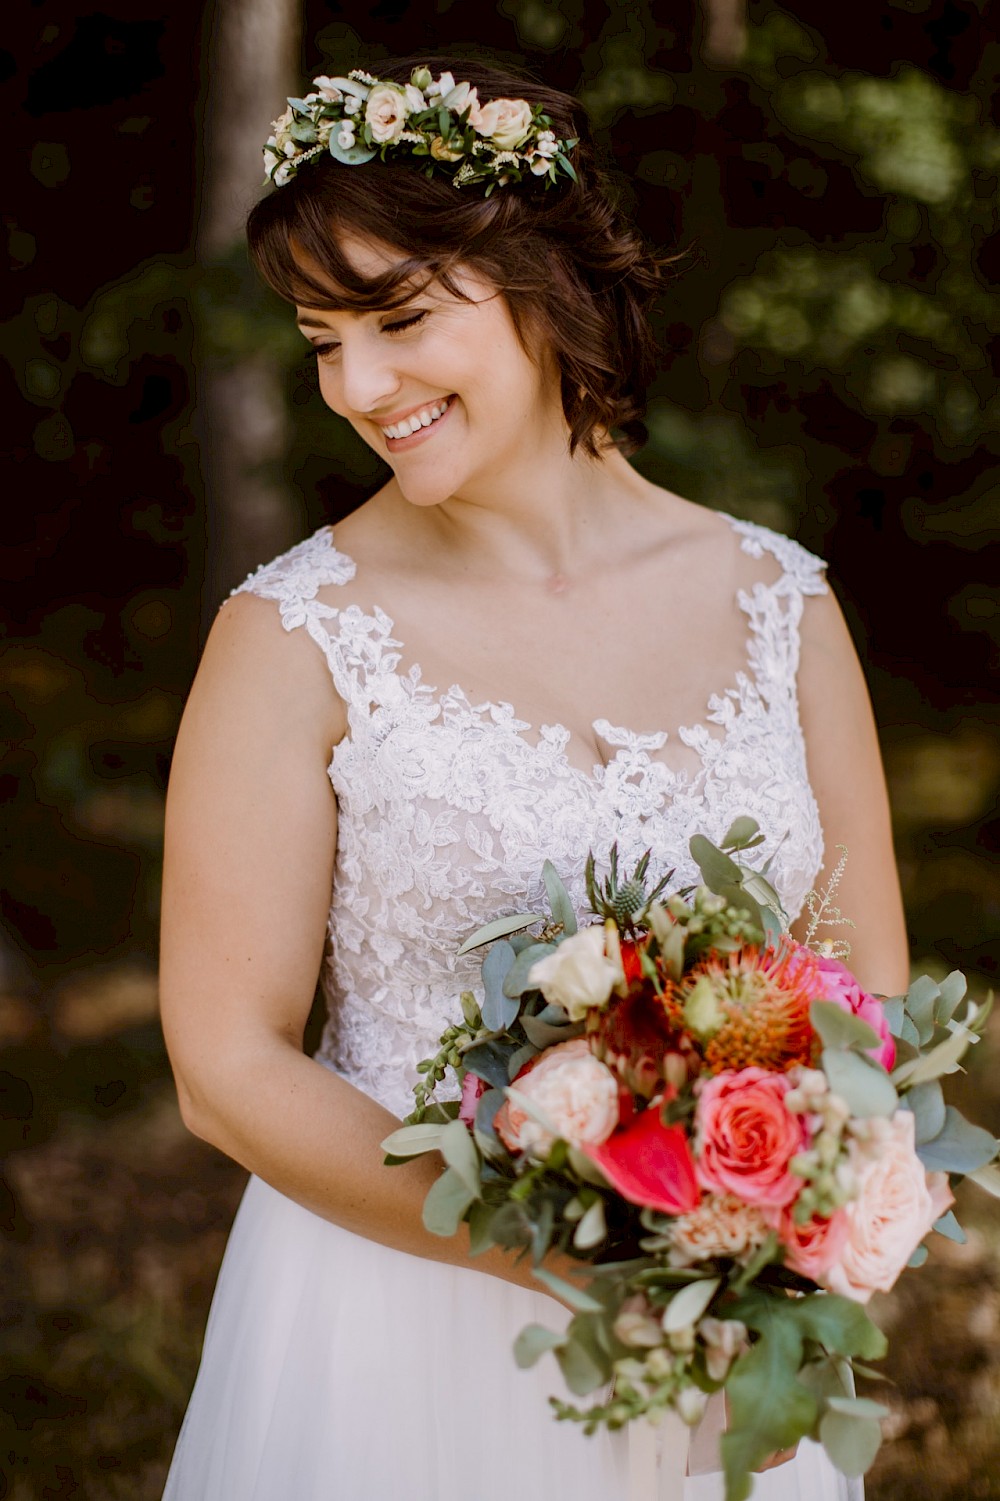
column 737, row 1142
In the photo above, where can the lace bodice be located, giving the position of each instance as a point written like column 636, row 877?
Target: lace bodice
column 447, row 808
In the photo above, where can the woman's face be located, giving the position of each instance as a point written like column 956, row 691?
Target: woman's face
column 441, row 388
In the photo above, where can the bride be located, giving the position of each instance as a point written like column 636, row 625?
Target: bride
column 517, row 649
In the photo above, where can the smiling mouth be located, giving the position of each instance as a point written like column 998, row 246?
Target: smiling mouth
column 420, row 422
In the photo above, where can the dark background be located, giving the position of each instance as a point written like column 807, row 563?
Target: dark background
column 829, row 368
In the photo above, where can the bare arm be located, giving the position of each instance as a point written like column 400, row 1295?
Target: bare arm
column 845, row 770
column 250, row 842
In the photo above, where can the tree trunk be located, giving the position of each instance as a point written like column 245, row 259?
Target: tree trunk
column 252, row 64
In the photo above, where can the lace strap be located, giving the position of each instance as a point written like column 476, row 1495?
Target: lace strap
column 801, row 569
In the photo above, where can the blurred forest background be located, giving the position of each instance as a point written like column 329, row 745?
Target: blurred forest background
column 830, row 361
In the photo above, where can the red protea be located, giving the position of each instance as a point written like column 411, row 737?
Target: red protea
column 638, row 1034
column 752, row 1007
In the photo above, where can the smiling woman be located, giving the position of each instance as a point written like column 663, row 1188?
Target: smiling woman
column 350, row 814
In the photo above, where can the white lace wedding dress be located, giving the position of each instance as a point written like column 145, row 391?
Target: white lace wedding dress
column 335, row 1369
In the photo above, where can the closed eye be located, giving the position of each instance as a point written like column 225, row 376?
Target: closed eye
column 402, row 324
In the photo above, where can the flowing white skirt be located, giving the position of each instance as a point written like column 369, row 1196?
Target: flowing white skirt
column 335, row 1369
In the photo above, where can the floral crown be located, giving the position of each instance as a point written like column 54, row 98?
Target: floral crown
column 359, row 117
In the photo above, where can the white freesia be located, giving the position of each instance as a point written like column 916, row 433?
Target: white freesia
column 327, row 89
column 415, row 101
column 385, row 113
column 441, row 86
column 282, row 128
column 578, row 975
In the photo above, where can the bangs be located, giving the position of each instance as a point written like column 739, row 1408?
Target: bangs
column 301, row 257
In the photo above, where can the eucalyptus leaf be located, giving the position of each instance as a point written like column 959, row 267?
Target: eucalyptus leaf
column 838, row 1028
column 952, row 991
column 351, row 156
column 687, row 1306
column 519, row 1058
column 411, row 1141
column 592, row 1228
column 498, row 1009
column 858, row 1407
column 922, row 996
column 948, row 1226
column 960, row 1147
column 769, row 1409
column 919, row 1257
column 583, row 1363
column 533, row 1342
column 908, row 1032
column 445, row 1204
column 544, row 1035
column 851, row 1442
column 716, row 868
column 459, row 1152
column 927, row 1103
column 892, row 1006
column 501, row 927
column 559, row 903
column 942, row 1059
column 742, row 832
column 517, row 981
column 861, row 1084
column 480, row 1219
column 574, row 1296
column 488, row 1061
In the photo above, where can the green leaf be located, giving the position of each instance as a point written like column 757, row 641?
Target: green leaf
column 838, row 1028
column 742, row 832
column 583, row 1358
column 839, row 1324
column 519, row 1058
column 716, row 868
column 470, row 1010
column 862, row 1085
column 559, row 903
column 948, row 1226
column 498, row 1009
column 952, row 992
column 445, row 1204
column 501, row 927
column 942, row 1059
column 480, row 1219
column 533, row 1342
column 687, row 1306
column 488, row 1061
column 592, row 1228
column 411, row 1141
column 543, row 1035
column 927, row 1103
column 574, row 1296
column 351, row 156
column 517, row 982
column 851, row 1442
column 919, row 1257
column 892, row 1006
column 960, row 1147
column 858, row 1407
column 921, row 998
column 769, row 1409
column 459, row 1152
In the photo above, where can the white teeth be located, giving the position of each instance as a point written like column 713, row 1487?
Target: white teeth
column 420, row 419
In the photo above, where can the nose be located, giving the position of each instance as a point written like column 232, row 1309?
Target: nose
column 368, row 374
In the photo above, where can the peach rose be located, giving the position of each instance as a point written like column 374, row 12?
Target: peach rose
column 575, row 1093
column 746, row 1137
column 505, row 121
column 811, row 1249
column 897, row 1203
column 385, row 112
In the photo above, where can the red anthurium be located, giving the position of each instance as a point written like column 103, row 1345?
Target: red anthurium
column 649, row 1164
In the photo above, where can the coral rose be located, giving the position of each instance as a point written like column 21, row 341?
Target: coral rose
column 747, row 1138
column 579, row 974
column 836, row 983
column 505, row 121
column 575, row 1093
column 811, row 1249
column 385, row 113
column 897, row 1203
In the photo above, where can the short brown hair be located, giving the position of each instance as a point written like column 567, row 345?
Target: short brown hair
column 569, row 264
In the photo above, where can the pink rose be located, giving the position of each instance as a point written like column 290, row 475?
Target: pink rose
column 473, row 1088
column 747, row 1137
column 649, row 1164
column 897, row 1203
column 836, row 983
column 574, row 1092
column 811, row 1249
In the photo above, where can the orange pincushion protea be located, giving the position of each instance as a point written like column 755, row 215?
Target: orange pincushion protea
column 758, row 1000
